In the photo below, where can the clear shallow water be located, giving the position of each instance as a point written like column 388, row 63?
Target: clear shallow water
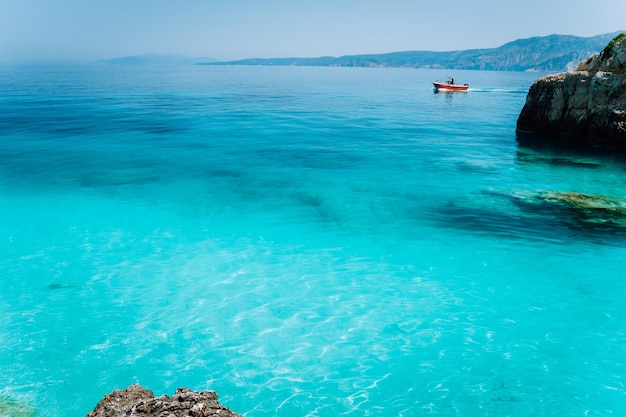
column 304, row 241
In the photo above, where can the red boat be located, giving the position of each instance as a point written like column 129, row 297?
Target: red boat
column 450, row 86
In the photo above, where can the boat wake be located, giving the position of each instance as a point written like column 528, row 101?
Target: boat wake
column 500, row 90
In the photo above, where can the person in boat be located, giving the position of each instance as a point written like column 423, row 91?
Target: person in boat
column 451, row 81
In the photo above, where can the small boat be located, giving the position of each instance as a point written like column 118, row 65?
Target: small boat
column 450, row 86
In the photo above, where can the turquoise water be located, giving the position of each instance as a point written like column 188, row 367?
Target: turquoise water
column 304, row 241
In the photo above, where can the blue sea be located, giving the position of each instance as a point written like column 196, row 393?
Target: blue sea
column 306, row 241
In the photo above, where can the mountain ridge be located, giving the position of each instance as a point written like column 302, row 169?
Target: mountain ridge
column 551, row 53
column 156, row 59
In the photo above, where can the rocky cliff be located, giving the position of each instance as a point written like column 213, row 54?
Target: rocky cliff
column 139, row 402
column 586, row 106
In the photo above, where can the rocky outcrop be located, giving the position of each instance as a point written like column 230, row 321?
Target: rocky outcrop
column 586, row 106
column 137, row 401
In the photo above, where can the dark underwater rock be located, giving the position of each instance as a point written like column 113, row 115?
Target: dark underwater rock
column 586, row 106
column 575, row 161
column 137, row 401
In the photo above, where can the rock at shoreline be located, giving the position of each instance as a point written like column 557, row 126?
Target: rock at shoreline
column 137, row 401
column 587, row 106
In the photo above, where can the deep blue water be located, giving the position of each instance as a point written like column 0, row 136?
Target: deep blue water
column 304, row 241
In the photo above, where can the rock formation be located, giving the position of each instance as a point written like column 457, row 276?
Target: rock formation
column 137, row 401
column 586, row 106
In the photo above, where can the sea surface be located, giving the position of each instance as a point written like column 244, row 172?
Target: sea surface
column 304, row 241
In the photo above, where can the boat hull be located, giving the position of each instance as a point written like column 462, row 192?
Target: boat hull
column 450, row 87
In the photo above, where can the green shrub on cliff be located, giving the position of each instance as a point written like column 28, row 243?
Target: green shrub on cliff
column 612, row 43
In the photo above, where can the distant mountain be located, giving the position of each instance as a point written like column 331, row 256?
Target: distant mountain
column 554, row 53
column 156, row 59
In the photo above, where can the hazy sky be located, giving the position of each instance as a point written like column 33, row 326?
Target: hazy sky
column 234, row 29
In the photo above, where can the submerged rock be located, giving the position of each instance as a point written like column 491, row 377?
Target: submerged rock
column 576, row 161
column 543, row 215
column 137, row 401
column 12, row 408
column 591, row 208
column 587, row 105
